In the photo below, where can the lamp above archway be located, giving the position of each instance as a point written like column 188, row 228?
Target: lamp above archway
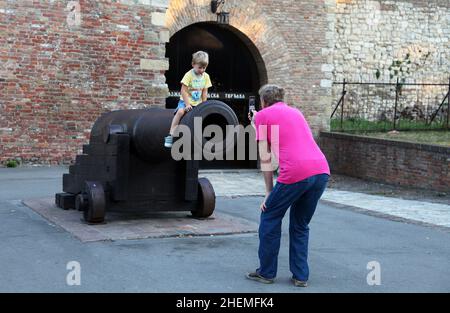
column 222, row 16
column 215, row 5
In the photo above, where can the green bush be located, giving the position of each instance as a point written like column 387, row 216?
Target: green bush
column 12, row 163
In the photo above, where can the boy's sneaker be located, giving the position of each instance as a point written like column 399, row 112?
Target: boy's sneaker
column 255, row 276
column 299, row 283
column 168, row 141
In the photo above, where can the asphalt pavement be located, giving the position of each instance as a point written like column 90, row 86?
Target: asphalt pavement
column 346, row 247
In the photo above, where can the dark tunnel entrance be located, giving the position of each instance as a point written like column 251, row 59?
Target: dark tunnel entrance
column 236, row 69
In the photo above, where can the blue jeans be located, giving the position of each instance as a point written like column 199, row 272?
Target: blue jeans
column 302, row 197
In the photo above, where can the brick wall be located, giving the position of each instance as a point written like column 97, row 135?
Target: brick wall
column 307, row 29
column 61, row 69
column 294, row 38
column 388, row 161
column 59, row 73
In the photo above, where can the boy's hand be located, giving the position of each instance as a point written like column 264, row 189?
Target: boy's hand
column 189, row 108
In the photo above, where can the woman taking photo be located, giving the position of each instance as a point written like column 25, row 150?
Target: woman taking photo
column 283, row 132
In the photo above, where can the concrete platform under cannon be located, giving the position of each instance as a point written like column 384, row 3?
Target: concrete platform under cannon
column 150, row 225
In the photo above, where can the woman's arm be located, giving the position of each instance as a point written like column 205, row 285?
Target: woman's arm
column 266, row 164
column 266, row 168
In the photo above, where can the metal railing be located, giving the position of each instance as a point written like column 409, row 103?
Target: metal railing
column 390, row 106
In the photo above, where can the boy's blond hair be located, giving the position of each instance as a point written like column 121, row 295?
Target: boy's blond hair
column 200, row 58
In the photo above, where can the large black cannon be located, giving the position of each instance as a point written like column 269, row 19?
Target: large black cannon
column 126, row 168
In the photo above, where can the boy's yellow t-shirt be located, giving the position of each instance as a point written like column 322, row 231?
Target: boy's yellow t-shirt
column 195, row 86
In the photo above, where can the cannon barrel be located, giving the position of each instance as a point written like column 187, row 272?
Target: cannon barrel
column 148, row 127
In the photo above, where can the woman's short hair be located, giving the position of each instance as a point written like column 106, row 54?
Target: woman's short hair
column 271, row 94
column 200, row 58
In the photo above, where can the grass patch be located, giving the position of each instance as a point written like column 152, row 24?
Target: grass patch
column 441, row 138
column 407, row 130
column 355, row 125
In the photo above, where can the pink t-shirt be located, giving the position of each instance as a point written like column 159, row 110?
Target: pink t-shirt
column 298, row 154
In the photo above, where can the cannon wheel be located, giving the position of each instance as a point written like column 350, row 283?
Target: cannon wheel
column 206, row 199
column 92, row 202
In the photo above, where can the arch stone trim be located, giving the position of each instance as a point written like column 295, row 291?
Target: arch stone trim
column 255, row 29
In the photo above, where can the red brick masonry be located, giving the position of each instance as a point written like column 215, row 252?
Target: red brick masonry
column 56, row 79
column 388, row 161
